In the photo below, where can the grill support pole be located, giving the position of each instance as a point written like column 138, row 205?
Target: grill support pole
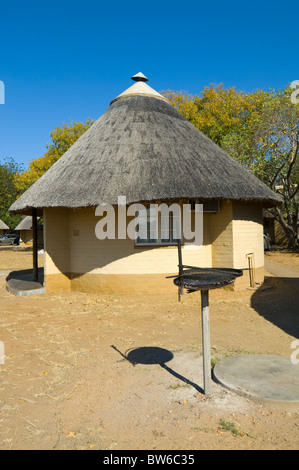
column 206, row 349
column 181, row 288
column 35, row 257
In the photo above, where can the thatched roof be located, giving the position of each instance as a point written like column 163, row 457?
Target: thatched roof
column 3, row 226
column 144, row 149
column 26, row 223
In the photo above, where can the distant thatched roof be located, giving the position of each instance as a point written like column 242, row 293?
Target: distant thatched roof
column 26, row 224
column 3, row 226
column 267, row 214
column 144, row 149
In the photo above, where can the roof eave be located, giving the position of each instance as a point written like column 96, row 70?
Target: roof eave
column 266, row 203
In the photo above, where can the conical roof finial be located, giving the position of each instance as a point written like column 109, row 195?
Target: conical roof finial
column 140, row 88
column 139, row 77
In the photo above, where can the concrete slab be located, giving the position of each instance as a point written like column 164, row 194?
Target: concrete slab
column 270, row 380
column 21, row 283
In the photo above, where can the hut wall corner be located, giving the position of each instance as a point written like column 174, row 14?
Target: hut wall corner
column 248, row 241
column 221, row 228
column 56, row 240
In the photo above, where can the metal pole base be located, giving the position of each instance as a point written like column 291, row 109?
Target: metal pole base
column 206, row 348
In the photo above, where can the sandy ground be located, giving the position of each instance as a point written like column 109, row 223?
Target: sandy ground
column 15, row 258
column 284, row 257
column 74, row 375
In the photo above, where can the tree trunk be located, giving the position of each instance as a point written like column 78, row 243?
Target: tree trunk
column 288, row 229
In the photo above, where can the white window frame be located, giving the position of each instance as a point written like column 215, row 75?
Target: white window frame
column 159, row 241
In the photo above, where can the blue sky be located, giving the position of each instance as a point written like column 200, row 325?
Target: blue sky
column 66, row 60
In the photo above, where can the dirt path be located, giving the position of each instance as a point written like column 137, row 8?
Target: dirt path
column 284, row 257
column 67, row 383
column 283, row 271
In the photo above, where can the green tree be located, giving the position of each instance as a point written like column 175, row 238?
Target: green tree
column 260, row 130
column 269, row 146
column 218, row 112
column 8, row 191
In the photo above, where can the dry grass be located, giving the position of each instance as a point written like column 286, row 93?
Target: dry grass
column 17, row 259
column 63, row 385
column 284, row 257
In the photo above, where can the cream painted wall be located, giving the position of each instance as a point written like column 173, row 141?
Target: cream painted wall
column 56, row 240
column 221, row 228
column 122, row 256
column 248, row 234
column 71, row 245
column 236, row 231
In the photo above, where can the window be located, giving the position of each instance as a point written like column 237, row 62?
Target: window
column 159, row 225
column 147, row 228
column 211, row 206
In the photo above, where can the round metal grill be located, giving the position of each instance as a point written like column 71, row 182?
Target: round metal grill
column 206, row 278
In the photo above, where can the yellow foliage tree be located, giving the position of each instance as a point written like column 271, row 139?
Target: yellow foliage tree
column 218, row 111
column 62, row 139
column 259, row 129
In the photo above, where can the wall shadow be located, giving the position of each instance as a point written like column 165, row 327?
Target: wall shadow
column 279, row 303
column 151, row 355
column 76, row 241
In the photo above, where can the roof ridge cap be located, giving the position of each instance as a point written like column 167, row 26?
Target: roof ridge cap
column 140, row 88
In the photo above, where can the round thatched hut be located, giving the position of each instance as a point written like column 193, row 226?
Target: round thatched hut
column 3, row 227
column 143, row 149
column 25, row 230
